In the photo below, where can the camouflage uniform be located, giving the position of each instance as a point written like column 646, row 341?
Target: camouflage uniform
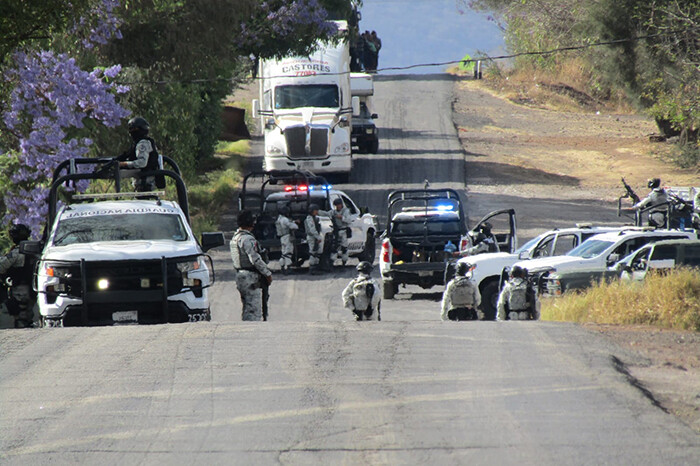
column 356, row 300
column 484, row 244
column 460, row 296
column 251, row 269
column 141, row 154
column 285, row 228
column 342, row 219
column 21, row 297
column 312, row 226
column 514, row 295
column 657, row 216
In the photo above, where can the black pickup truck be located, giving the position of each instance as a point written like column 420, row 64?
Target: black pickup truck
column 424, row 227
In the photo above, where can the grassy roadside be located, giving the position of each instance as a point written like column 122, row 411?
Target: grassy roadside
column 669, row 300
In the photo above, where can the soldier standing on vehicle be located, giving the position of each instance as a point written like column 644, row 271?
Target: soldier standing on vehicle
column 485, row 241
column 362, row 296
column 285, row 229
column 142, row 156
column 378, row 46
column 312, row 226
column 16, row 272
column 342, row 219
column 250, row 267
column 657, row 197
column 518, row 301
column 461, row 297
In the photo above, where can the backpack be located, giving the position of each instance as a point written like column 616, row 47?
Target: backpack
column 517, row 300
column 365, row 297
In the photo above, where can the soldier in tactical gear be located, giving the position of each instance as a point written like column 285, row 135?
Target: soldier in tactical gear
column 362, row 296
column 485, row 241
column 142, row 156
column 251, row 270
column 342, row 219
column 461, row 297
column 657, row 197
column 312, row 226
column 285, row 230
column 16, row 272
column 518, row 300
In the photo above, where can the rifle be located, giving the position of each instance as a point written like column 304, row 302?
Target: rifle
column 630, row 192
column 265, row 287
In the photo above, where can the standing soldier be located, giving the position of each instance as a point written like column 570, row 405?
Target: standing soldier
column 312, row 225
column 250, row 267
column 342, row 219
column 518, row 301
column 658, row 200
column 143, row 155
column 16, row 270
column 362, row 296
column 285, row 229
column 461, row 297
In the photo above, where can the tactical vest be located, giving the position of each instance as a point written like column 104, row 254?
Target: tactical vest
column 241, row 261
column 153, row 156
column 462, row 293
column 517, row 301
column 21, row 275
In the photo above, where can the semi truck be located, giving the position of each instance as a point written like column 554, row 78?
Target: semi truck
column 305, row 107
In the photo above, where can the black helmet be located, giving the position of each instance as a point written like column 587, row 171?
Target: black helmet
column 485, row 228
column 19, row 233
column 462, row 269
column 654, row 183
column 313, row 207
column 138, row 123
column 284, row 210
column 364, row 267
column 338, row 201
column 518, row 272
column 246, row 219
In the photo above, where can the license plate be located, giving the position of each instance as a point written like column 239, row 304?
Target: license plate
column 125, row 317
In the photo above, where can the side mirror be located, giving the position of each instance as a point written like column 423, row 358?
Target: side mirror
column 374, row 116
column 212, row 240
column 613, row 258
column 256, row 108
column 523, row 255
column 31, row 248
column 355, row 105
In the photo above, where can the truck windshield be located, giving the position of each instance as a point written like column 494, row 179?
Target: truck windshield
column 120, row 227
column 442, row 227
column 590, row 248
column 312, row 95
column 529, row 245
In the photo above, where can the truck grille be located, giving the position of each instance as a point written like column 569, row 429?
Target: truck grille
column 296, row 142
column 132, row 275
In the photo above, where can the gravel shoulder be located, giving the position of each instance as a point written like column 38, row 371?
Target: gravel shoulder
column 557, row 168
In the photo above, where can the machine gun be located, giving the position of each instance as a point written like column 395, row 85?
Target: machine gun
column 629, row 192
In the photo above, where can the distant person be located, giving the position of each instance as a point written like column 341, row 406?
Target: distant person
column 657, row 199
column 362, row 296
column 312, row 227
column 16, row 274
column 251, row 269
column 342, row 219
column 378, row 46
column 485, row 241
column 696, row 211
column 461, row 297
column 285, row 230
column 142, row 156
column 518, row 300
column 369, row 51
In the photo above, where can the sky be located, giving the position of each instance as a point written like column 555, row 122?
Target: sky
column 428, row 31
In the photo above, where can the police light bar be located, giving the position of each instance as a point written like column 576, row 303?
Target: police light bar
column 445, row 207
column 301, row 187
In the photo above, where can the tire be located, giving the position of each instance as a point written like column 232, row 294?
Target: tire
column 489, row 298
column 374, row 147
column 370, row 251
column 389, row 289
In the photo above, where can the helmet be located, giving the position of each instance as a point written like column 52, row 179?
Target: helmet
column 338, row 201
column 246, row 219
column 485, row 228
column 462, row 269
column 654, row 183
column 284, row 210
column 19, row 233
column 138, row 123
column 364, row 267
column 313, row 207
column 518, row 272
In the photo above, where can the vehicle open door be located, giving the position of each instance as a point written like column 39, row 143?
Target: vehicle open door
column 503, row 227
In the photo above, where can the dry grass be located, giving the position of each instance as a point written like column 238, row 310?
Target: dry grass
column 670, row 301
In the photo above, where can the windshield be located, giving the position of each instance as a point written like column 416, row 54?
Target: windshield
column 529, row 245
column 127, row 227
column 316, row 95
column 450, row 227
column 590, row 248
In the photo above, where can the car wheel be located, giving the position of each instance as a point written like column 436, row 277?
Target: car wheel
column 374, row 147
column 489, row 300
column 390, row 289
column 370, row 251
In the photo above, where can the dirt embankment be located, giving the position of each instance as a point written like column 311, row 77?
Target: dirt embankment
column 558, row 167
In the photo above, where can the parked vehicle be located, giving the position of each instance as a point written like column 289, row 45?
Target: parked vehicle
column 365, row 135
column 306, row 109
column 120, row 257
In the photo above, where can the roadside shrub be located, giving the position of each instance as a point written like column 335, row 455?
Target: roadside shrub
column 208, row 199
column 670, row 300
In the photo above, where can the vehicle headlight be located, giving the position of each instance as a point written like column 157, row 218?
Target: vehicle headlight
column 56, row 270
column 341, row 149
column 193, row 269
column 369, row 130
column 273, row 150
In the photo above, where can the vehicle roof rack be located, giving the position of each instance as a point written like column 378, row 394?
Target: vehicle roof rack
column 274, row 177
column 120, row 195
column 423, row 195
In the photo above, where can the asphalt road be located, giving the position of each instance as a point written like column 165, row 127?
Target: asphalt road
column 313, row 387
